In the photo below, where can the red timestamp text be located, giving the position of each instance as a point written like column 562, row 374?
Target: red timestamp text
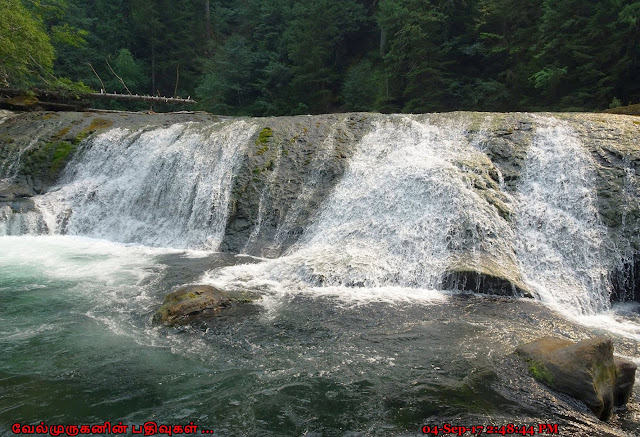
column 447, row 429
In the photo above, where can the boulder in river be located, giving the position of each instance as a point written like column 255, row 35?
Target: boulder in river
column 586, row 370
column 187, row 302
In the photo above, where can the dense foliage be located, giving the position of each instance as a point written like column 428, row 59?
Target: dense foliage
column 272, row 57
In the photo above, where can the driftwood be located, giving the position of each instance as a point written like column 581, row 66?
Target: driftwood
column 137, row 98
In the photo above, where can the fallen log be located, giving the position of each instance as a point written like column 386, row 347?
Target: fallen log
column 137, row 98
column 36, row 99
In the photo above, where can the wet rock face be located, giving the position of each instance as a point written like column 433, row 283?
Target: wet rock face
column 481, row 275
column 186, row 303
column 290, row 168
column 625, row 280
column 585, row 370
column 625, row 378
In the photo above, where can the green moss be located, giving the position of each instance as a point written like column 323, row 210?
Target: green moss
column 603, row 375
column 263, row 140
column 47, row 161
column 264, row 136
column 81, row 136
column 61, row 154
column 98, row 123
column 540, row 372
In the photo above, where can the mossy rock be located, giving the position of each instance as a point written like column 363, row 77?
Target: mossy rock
column 96, row 124
column 540, row 372
column 263, row 140
column 190, row 301
column 585, row 370
column 47, row 161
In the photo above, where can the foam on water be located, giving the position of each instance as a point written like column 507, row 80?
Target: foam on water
column 622, row 319
column 115, row 285
column 77, row 258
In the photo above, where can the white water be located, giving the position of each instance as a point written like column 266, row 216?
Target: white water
column 402, row 210
column 163, row 187
column 561, row 240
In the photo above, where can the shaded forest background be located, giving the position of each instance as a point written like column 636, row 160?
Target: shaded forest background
column 281, row 57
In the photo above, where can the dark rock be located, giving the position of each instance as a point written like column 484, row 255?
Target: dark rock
column 584, row 370
column 482, row 275
column 625, row 280
column 625, row 378
column 187, row 302
column 482, row 283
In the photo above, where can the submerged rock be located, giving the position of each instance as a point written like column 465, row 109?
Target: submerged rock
column 585, row 370
column 187, row 302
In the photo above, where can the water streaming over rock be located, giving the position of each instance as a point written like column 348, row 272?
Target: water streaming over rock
column 160, row 187
column 561, row 242
column 423, row 202
column 401, row 211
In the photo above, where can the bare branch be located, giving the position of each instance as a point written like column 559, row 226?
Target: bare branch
column 104, row 90
column 121, row 81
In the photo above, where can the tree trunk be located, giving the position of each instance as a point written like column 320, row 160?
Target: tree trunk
column 153, row 68
column 132, row 97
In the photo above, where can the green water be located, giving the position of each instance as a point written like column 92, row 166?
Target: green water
column 77, row 346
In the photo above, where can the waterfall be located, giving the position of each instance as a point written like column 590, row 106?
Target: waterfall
column 419, row 197
column 560, row 237
column 402, row 212
column 398, row 210
column 160, row 187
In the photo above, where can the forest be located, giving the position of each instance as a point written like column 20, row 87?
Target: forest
column 284, row 57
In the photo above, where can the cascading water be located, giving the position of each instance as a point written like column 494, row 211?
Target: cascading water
column 561, row 242
column 402, row 213
column 161, row 187
column 407, row 209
